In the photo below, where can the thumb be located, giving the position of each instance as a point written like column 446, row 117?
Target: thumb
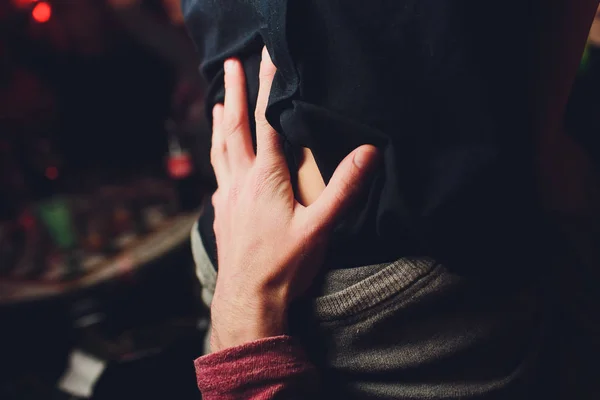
column 343, row 186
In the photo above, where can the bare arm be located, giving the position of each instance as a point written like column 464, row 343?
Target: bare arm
column 310, row 182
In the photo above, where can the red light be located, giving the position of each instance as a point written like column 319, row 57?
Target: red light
column 41, row 12
column 23, row 3
column 27, row 221
column 52, row 173
column 179, row 166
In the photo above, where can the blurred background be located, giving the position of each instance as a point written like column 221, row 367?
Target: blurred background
column 104, row 161
column 103, row 165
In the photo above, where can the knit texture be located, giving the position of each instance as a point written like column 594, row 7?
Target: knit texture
column 409, row 329
column 272, row 368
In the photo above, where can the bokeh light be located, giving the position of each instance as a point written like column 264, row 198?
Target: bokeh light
column 42, row 12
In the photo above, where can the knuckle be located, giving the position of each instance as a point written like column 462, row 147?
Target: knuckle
column 215, row 199
column 269, row 182
column 261, row 118
column 227, row 198
column 261, row 172
column 259, row 188
column 348, row 188
column 262, row 123
column 213, row 160
column 348, row 183
column 217, row 149
column 339, row 197
column 216, row 155
column 234, row 124
column 267, row 71
column 216, row 226
column 263, row 178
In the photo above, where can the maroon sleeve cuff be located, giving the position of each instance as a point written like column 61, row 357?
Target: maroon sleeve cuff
column 269, row 368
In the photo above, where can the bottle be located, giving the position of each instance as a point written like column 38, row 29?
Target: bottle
column 52, row 207
column 181, row 170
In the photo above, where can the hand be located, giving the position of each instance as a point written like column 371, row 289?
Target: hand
column 269, row 245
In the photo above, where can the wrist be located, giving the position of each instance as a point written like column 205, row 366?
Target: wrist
column 236, row 322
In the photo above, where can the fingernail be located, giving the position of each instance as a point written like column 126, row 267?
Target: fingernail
column 265, row 53
column 362, row 157
column 228, row 65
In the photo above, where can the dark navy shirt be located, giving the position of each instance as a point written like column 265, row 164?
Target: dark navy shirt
column 440, row 86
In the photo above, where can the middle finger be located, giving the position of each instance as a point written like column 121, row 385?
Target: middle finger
column 235, row 117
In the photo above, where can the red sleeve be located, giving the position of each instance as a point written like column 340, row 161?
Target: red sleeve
column 272, row 368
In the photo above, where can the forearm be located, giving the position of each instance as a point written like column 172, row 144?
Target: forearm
column 238, row 318
column 252, row 357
